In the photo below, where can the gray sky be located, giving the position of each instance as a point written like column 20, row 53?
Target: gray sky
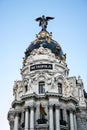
column 18, row 29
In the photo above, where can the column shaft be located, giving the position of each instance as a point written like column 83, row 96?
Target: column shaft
column 65, row 115
column 51, row 126
column 26, row 119
column 71, row 121
column 32, row 118
column 16, row 122
column 75, row 122
column 57, row 115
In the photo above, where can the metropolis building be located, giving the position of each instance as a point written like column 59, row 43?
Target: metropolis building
column 46, row 98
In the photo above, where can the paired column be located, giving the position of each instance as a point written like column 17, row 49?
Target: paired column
column 26, row 118
column 71, row 120
column 57, row 116
column 65, row 115
column 32, row 118
column 29, row 119
column 75, row 122
column 51, row 122
column 16, row 121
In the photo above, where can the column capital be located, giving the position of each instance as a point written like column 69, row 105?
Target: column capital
column 71, row 110
column 17, row 112
column 51, row 104
column 31, row 105
column 26, row 108
column 57, row 106
column 74, row 111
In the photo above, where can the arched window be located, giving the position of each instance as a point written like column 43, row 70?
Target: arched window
column 26, row 88
column 41, row 87
column 59, row 88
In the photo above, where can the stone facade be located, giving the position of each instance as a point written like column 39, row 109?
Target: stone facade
column 47, row 98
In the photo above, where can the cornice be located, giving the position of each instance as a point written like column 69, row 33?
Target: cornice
column 16, row 102
column 51, row 94
column 36, row 96
column 69, row 99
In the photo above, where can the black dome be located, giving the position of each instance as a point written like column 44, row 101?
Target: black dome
column 44, row 39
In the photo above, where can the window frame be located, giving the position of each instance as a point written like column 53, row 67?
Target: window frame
column 41, row 87
column 60, row 88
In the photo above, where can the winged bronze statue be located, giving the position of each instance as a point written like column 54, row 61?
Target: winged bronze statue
column 43, row 21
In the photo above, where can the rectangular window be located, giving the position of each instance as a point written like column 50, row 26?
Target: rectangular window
column 41, row 87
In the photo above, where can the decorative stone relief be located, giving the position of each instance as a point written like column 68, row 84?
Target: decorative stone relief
column 17, row 89
column 81, row 97
column 67, row 88
column 11, row 118
column 42, row 50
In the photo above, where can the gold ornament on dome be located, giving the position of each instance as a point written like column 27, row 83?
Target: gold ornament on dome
column 43, row 34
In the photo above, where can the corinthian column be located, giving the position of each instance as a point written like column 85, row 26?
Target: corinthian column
column 57, row 116
column 32, row 118
column 65, row 115
column 26, row 118
column 51, row 124
column 16, row 121
column 75, row 122
column 71, row 120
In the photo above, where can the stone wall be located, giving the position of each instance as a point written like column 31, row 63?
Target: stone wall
column 82, row 120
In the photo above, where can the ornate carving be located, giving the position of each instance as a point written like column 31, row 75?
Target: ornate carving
column 43, row 36
column 11, row 124
column 28, row 82
column 17, row 88
column 57, row 106
column 67, row 90
column 42, row 50
column 32, row 105
column 17, row 113
column 64, row 58
column 26, row 108
column 51, row 104
column 11, row 118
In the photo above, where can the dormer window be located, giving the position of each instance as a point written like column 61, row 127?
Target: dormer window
column 59, row 88
column 41, row 87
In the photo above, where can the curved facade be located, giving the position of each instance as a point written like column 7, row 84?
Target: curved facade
column 47, row 98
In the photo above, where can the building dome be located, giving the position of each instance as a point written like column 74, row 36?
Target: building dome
column 45, row 40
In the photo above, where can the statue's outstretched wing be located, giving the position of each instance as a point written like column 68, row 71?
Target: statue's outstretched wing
column 43, row 21
column 38, row 19
column 49, row 18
